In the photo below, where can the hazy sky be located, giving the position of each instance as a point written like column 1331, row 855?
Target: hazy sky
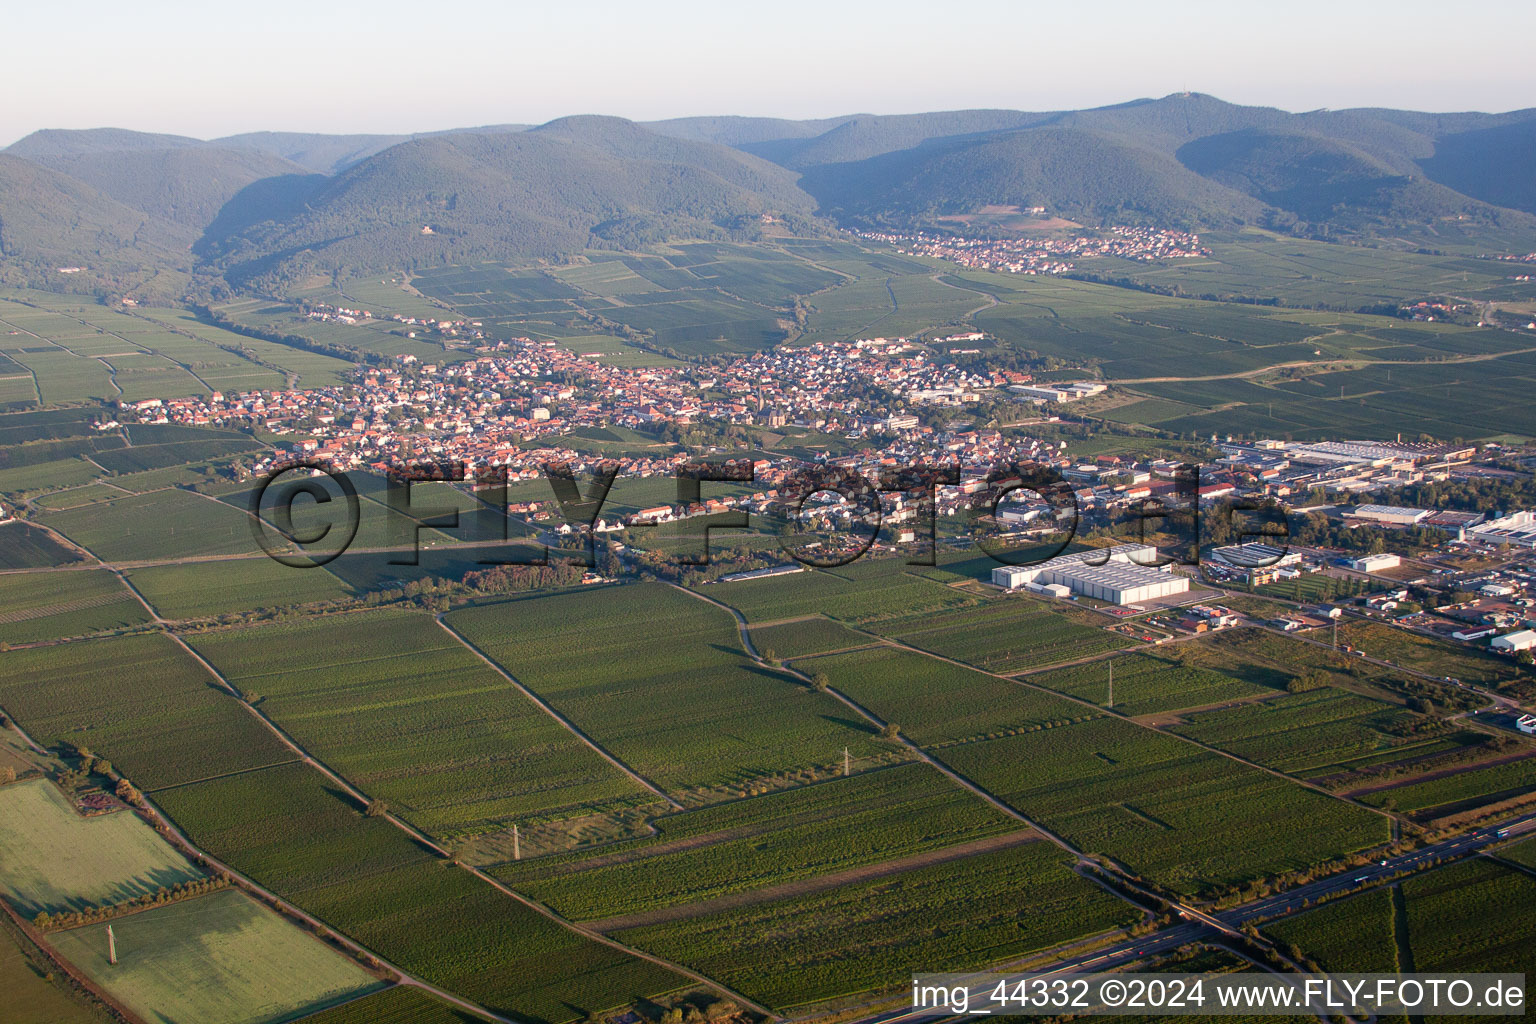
column 208, row 69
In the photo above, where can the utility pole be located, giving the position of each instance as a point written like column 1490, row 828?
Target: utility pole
column 847, row 764
column 111, row 946
column 1111, row 663
column 1335, row 634
column 517, row 849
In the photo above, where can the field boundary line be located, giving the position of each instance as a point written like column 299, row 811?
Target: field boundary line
column 549, row 710
column 428, row 842
column 180, row 839
column 816, row 883
column 1112, row 713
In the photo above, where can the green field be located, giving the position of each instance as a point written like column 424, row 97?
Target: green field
column 139, row 701
column 52, row 859
column 160, row 526
column 936, row 703
column 46, row 605
column 1170, row 678
column 30, row 998
column 871, row 935
column 1351, row 935
column 1461, row 791
column 27, row 547
column 411, row 716
column 658, row 678
column 1521, row 853
column 397, row 1005
column 199, row 589
column 217, row 959
column 1315, row 733
column 1188, row 818
column 1005, row 635
column 892, row 594
column 1472, row 916
column 767, row 840
column 289, row 830
column 807, row 636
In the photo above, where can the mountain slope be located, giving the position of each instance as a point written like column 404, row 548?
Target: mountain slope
column 322, row 154
column 555, row 189
column 185, row 185
column 50, row 220
column 1078, row 174
column 62, row 142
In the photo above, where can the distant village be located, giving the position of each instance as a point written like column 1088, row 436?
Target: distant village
column 1047, row 254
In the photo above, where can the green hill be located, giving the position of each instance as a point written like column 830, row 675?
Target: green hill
column 50, row 220
column 564, row 186
column 1078, row 174
column 186, row 185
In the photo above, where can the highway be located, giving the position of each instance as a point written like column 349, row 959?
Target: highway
column 1226, row 923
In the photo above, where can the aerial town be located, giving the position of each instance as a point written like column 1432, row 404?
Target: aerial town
column 1047, row 254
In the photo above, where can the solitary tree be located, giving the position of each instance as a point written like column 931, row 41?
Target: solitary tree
column 377, row 808
column 891, row 731
column 820, row 682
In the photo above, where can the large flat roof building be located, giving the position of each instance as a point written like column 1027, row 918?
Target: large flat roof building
column 1396, row 515
column 1122, row 577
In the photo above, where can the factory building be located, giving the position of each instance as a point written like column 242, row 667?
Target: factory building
column 1394, row 515
column 1124, row 578
column 1517, row 529
column 1514, row 643
column 1246, row 556
column 1375, row 563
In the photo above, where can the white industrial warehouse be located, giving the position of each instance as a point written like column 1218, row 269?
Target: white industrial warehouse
column 1126, row 577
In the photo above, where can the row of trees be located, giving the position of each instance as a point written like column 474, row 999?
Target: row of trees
column 45, row 921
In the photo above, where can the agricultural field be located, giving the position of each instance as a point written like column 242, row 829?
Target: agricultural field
column 289, row 830
column 28, row 547
column 658, row 678
column 30, row 998
column 201, row 589
column 1316, row 587
column 54, row 859
column 1355, row 934
column 747, row 845
column 1472, row 916
column 806, row 636
column 409, row 715
column 1177, row 814
column 1005, row 636
column 863, row 936
column 1424, row 654
column 74, row 497
column 936, row 703
column 155, row 527
column 858, row 602
column 1465, row 790
column 1319, row 732
column 79, row 351
column 1168, row 679
column 157, row 725
column 46, row 605
column 399, row 1004
column 265, row 364
column 217, row 959
column 1259, row 264
column 1521, row 853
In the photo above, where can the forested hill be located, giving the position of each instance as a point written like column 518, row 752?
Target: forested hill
column 276, row 206
column 560, row 188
